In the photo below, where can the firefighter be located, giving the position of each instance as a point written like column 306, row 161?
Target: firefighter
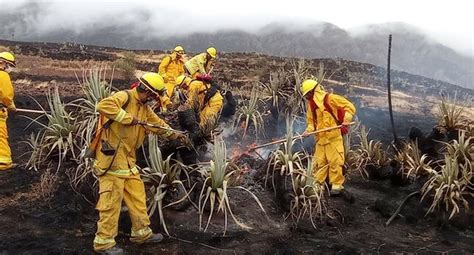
column 326, row 110
column 171, row 67
column 7, row 62
column 115, row 161
column 204, row 96
column 202, row 63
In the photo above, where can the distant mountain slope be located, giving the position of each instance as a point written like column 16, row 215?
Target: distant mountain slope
column 412, row 51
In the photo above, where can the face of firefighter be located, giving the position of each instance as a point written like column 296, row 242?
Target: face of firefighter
column 309, row 95
column 5, row 67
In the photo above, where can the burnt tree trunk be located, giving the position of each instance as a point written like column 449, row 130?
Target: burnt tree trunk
column 395, row 139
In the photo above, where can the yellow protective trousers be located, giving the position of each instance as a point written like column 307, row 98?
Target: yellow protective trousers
column 5, row 152
column 112, row 190
column 329, row 161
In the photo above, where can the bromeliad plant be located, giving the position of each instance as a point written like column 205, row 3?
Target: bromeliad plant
column 214, row 191
column 450, row 114
column 462, row 149
column 58, row 136
column 450, row 187
column 248, row 113
column 369, row 153
column 162, row 177
column 95, row 88
column 307, row 198
column 285, row 161
column 413, row 163
column 277, row 90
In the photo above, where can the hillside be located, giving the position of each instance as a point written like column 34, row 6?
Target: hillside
column 43, row 212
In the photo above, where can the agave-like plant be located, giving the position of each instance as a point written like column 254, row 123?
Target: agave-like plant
column 450, row 114
column 276, row 90
column 163, row 177
column 215, row 187
column 369, row 153
column 58, row 136
column 95, row 87
column 449, row 187
column 462, row 149
column 249, row 113
column 307, row 199
column 285, row 161
column 413, row 163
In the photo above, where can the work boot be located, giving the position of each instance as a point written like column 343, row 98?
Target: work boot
column 154, row 238
column 113, row 251
column 336, row 190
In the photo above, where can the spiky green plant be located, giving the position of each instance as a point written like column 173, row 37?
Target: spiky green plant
column 249, row 113
column 369, row 153
column 162, row 176
column 413, row 163
column 58, row 135
column 36, row 158
column 95, row 87
column 285, row 161
column 277, row 90
column 462, row 149
column 307, row 196
column 215, row 187
column 450, row 114
column 449, row 188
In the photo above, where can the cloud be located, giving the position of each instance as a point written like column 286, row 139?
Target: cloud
column 446, row 23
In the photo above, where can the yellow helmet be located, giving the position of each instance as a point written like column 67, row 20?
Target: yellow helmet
column 181, row 79
column 212, row 52
column 179, row 49
column 153, row 82
column 7, row 57
column 308, row 85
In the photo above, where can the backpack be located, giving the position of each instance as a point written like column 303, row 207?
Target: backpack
column 101, row 127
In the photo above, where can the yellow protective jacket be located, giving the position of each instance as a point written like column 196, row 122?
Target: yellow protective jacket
column 197, row 91
column 170, row 68
column 6, row 91
column 198, row 64
column 324, row 119
column 126, row 139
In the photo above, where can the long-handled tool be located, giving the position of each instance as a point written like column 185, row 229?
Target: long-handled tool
column 160, row 127
column 30, row 111
column 300, row 136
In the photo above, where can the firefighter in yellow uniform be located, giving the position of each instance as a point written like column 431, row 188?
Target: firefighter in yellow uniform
column 203, row 96
column 326, row 110
column 171, row 67
column 115, row 162
column 202, row 63
column 7, row 61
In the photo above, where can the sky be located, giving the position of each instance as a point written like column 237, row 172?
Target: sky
column 448, row 22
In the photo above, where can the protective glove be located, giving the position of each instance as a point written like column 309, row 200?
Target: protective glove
column 204, row 77
column 344, row 129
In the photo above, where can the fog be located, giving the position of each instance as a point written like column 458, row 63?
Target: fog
column 446, row 22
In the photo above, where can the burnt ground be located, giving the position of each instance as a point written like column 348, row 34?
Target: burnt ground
column 65, row 223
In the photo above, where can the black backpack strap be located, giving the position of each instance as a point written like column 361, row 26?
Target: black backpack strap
column 124, row 106
column 210, row 92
